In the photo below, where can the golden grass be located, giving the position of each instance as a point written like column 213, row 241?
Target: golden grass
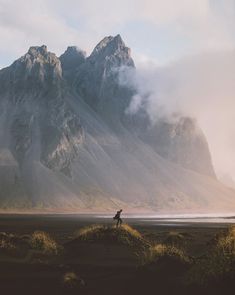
column 219, row 261
column 72, row 281
column 125, row 235
column 87, row 231
column 43, row 242
column 6, row 245
column 162, row 250
column 133, row 232
column 226, row 243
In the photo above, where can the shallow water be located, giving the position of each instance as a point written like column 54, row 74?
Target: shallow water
column 42, row 221
column 177, row 220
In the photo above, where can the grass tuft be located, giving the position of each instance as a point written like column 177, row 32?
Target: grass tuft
column 219, row 263
column 124, row 235
column 6, row 243
column 88, row 232
column 159, row 251
column 41, row 241
column 72, row 281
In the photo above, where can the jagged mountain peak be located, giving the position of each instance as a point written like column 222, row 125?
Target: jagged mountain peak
column 112, row 47
column 40, row 55
column 40, row 123
column 72, row 58
column 97, row 79
column 74, row 50
column 34, row 51
column 115, row 42
column 41, row 62
column 38, row 65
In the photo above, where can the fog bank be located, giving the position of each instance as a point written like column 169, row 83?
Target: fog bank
column 201, row 86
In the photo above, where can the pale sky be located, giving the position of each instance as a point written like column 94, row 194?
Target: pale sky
column 165, row 35
column 162, row 30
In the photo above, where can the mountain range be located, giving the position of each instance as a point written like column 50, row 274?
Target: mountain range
column 68, row 144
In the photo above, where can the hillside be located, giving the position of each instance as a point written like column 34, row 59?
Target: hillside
column 68, row 144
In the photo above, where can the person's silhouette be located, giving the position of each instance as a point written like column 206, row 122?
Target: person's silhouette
column 118, row 218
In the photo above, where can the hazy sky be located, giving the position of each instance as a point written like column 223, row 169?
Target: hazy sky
column 189, row 45
column 155, row 29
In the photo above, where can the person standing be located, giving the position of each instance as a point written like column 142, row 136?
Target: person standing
column 118, row 218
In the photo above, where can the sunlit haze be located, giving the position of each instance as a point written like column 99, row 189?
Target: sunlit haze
column 184, row 49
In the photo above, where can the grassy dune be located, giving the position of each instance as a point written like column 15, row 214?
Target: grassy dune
column 123, row 235
column 24, row 248
column 147, row 264
column 219, row 263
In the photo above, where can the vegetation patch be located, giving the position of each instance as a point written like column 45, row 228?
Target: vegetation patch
column 72, row 281
column 123, row 235
column 163, row 263
column 219, row 263
column 6, row 244
column 176, row 238
column 41, row 241
column 165, row 252
column 13, row 245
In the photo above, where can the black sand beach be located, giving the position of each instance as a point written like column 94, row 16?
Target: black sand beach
column 112, row 273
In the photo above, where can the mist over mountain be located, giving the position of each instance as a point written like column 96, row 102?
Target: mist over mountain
column 68, row 140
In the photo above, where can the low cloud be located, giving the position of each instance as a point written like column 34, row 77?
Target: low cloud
column 201, row 86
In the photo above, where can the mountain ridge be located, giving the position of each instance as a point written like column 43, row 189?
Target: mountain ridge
column 73, row 146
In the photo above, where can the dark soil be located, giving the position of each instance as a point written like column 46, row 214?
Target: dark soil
column 103, row 268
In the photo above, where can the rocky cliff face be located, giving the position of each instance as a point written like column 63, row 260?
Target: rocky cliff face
column 37, row 70
column 71, row 60
column 97, row 79
column 39, row 123
column 71, row 144
column 181, row 142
